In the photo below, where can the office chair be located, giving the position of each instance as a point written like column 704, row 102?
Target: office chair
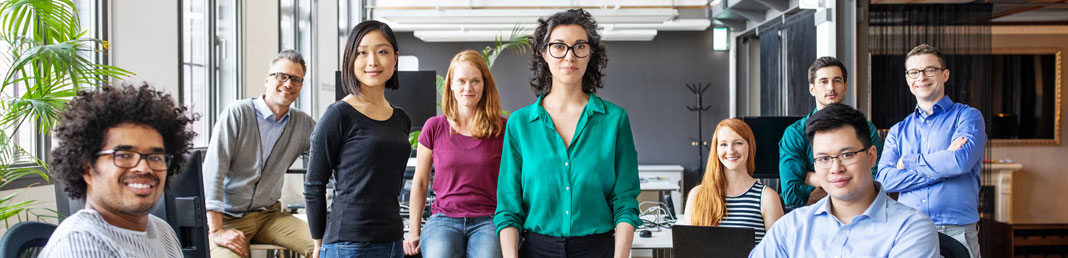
column 26, row 239
column 951, row 248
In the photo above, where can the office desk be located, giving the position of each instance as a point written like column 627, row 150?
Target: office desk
column 659, row 243
column 666, row 179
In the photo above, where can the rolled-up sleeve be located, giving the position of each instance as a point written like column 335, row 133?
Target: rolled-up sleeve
column 217, row 159
column 510, row 212
column 627, row 187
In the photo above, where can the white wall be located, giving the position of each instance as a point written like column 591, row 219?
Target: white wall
column 144, row 37
column 261, row 43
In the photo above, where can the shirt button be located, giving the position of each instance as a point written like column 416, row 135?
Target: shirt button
column 568, row 188
column 925, row 201
column 567, row 163
column 567, row 212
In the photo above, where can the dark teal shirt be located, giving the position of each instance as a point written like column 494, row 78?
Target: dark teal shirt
column 795, row 160
column 583, row 189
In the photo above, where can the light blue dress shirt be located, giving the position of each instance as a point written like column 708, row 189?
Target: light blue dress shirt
column 886, row 229
column 270, row 130
column 943, row 184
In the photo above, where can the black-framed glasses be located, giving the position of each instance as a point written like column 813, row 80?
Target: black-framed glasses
column 929, row 72
column 283, row 77
column 130, row 159
column 580, row 50
column 844, row 159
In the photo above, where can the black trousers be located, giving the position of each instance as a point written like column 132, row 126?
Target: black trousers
column 534, row 245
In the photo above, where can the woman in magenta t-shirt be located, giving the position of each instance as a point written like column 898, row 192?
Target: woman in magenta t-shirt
column 464, row 146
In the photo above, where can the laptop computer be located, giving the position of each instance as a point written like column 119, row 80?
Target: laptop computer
column 701, row 241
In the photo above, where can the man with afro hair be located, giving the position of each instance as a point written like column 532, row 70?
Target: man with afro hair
column 117, row 148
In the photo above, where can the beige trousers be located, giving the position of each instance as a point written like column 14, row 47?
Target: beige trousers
column 270, row 226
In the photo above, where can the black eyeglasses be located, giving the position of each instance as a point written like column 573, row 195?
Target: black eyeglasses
column 283, row 77
column 844, row 159
column 580, row 50
column 130, row 159
column 929, row 72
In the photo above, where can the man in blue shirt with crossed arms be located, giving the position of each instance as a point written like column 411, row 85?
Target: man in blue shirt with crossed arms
column 933, row 157
column 856, row 219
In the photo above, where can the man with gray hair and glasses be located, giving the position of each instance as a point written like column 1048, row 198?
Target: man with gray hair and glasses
column 253, row 143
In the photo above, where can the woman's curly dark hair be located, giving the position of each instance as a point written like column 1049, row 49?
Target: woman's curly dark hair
column 542, row 81
column 86, row 119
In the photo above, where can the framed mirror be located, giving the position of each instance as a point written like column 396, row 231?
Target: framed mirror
column 1026, row 96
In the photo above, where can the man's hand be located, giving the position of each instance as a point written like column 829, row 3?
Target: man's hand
column 411, row 244
column 957, row 143
column 232, row 239
column 811, row 179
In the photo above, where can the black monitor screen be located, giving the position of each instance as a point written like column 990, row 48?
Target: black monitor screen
column 417, row 95
column 768, row 131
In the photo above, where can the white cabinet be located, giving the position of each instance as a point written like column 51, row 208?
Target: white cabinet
column 656, row 179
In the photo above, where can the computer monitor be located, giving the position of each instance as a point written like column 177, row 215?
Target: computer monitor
column 417, row 94
column 702, row 241
column 184, row 208
column 768, row 131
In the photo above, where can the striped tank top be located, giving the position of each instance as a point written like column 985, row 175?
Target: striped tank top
column 743, row 211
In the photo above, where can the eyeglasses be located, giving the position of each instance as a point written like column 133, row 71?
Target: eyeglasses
column 283, row 77
column 844, row 159
column 130, row 159
column 929, row 72
column 580, row 50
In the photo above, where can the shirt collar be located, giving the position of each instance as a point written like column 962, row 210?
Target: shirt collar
column 876, row 211
column 265, row 112
column 941, row 106
column 595, row 104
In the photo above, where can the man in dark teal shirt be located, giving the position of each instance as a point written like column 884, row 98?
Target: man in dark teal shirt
column 827, row 84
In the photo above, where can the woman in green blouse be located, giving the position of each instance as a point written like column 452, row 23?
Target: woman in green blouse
column 569, row 171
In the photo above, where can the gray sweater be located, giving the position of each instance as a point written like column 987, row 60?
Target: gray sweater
column 236, row 180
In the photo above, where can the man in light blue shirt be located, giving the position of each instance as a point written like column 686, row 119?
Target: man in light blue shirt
column 856, row 219
column 933, row 157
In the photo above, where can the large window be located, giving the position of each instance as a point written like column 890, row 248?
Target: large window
column 297, row 31
column 210, row 60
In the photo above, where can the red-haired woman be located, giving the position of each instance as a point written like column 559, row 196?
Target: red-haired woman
column 728, row 196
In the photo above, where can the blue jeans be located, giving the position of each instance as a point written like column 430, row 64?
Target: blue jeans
column 449, row 237
column 362, row 249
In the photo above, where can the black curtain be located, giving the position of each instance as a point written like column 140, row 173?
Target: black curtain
column 960, row 31
column 786, row 51
column 1025, row 93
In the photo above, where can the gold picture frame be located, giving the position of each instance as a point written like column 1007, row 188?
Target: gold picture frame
column 1057, row 113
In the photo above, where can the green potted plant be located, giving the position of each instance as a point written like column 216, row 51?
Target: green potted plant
column 45, row 46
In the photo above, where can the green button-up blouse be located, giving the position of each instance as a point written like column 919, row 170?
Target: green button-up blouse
column 586, row 188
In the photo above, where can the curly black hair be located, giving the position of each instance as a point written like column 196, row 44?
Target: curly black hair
column 86, row 119
column 542, row 81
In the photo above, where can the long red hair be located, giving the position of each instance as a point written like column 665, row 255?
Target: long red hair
column 487, row 121
column 710, row 205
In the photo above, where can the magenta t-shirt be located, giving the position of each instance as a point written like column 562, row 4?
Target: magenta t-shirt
column 465, row 170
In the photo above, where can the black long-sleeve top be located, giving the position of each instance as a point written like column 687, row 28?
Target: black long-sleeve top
column 367, row 158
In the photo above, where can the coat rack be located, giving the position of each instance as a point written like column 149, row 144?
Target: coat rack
column 698, row 91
